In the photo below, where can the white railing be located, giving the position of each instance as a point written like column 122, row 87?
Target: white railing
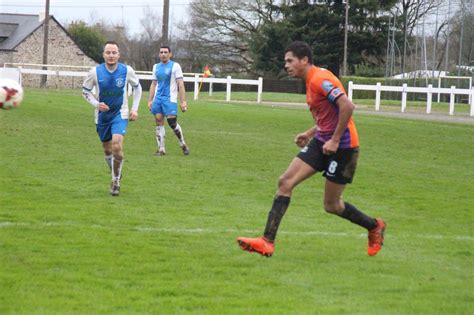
column 228, row 81
column 146, row 75
column 404, row 89
column 22, row 65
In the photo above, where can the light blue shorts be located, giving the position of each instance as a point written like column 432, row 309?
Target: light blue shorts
column 164, row 107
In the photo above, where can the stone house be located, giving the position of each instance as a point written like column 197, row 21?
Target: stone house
column 21, row 41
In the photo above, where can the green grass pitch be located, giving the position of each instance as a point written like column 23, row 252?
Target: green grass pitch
column 167, row 244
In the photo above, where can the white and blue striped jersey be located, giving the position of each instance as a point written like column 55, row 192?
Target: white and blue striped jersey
column 166, row 75
column 111, row 88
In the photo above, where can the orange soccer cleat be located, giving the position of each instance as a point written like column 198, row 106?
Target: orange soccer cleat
column 376, row 238
column 259, row 245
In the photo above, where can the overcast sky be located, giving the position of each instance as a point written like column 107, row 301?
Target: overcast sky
column 116, row 11
column 129, row 12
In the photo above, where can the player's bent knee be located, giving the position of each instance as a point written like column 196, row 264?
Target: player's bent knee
column 118, row 155
column 172, row 122
column 282, row 180
column 332, row 207
column 285, row 184
column 116, row 149
column 159, row 119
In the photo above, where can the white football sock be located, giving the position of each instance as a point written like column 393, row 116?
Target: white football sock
column 179, row 133
column 160, row 136
column 117, row 175
column 108, row 160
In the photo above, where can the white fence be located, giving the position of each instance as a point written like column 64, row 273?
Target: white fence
column 147, row 75
column 429, row 91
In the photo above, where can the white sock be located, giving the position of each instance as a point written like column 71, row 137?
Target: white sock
column 179, row 133
column 119, row 173
column 160, row 136
column 108, row 160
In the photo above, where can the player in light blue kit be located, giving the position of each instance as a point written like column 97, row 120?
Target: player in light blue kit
column 109, row 81
column 165, row 88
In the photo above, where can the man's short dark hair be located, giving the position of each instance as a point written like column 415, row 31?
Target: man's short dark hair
column 167, row 47
column 111, row 42
column 300, row 49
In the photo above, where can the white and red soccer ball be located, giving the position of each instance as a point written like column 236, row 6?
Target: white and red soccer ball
column 11, row 94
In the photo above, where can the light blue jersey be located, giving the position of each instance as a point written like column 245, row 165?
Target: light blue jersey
column 166, row 75
column 111, row 88
column 166, row 93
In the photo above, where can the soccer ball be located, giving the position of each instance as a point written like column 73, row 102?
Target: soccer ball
column 11, row 93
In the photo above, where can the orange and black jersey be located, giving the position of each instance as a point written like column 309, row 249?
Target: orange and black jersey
column 322, row 90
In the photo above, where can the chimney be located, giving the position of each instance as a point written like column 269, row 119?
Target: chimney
column 41, row 16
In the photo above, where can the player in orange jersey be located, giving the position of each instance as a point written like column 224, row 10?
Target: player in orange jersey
column 331, row 146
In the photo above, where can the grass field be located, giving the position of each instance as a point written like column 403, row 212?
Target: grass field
column 167, row 244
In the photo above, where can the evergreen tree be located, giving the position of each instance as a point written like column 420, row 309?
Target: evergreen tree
column 321, row 25
column 88, row 38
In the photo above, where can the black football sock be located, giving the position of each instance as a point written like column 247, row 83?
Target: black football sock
column 280, row 204
column 352, row 214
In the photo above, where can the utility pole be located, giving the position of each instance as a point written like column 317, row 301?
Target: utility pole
column 392, row 58
column 388, row 47
column 446, row 63
column 435, row 44
column 44, row 77
column 461, row 39
column 405, row 18
column 166, row 15
column 346, row 25
column 424, row 54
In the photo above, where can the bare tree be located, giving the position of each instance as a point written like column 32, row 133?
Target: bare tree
column 414, row 11
column 144, row 52
column 150, row 23
column 461, row 35
column 222, row 29
column 441, row 32
column 115, row 32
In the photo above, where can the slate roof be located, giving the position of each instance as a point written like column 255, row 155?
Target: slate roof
column 16, row 28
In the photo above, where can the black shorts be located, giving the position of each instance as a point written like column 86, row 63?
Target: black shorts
column 338, row 168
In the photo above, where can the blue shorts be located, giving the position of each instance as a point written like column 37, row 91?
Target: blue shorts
column 116, row 126
column 164, row 107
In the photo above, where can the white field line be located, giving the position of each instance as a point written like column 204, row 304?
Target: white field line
column 233, row 133
column 150, row 229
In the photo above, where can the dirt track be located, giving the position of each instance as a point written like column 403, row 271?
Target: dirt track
column 460, row 118
column 457, row 118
